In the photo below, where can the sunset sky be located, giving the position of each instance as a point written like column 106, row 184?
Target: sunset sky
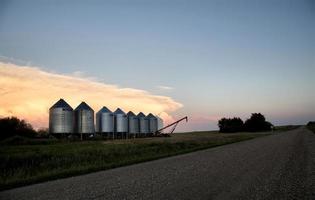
column 204, row 59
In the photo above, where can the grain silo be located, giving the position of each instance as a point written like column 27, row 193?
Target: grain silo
column 84, row 119
column 160, row 123
column 143, row 123
column 61, row 118
column 133, row 123
column 104, row 121
column 152, row 123
column 120, row 122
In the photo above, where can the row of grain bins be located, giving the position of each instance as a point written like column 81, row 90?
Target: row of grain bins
column 64, row 120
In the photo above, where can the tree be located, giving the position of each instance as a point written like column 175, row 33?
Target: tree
column 43, row 133
column 228, row 125
column 257, row 122
column 11, row 126
column 311, row 126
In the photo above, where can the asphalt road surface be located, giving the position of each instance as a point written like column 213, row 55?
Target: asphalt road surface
column 280, row 166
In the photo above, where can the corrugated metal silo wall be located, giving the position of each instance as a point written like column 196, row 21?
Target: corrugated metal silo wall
column 61, row 121
column 133, row 124
column 144, row 125
column 121, row 123
column 107, row 123
column 84, row 121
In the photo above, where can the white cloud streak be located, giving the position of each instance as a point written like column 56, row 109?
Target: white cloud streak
column 162, row 87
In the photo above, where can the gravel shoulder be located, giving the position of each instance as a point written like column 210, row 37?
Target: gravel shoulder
column 280, row 166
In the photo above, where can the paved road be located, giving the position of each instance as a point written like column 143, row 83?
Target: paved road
column 280, row 166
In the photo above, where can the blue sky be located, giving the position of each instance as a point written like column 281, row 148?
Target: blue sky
column 222, row 58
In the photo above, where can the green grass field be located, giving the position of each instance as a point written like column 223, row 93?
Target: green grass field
column 38, row 161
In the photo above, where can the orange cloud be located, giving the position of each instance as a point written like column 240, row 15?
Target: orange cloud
column 29, row 92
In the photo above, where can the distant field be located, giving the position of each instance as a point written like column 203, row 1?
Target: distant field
column 42, row 160
column 286, row 127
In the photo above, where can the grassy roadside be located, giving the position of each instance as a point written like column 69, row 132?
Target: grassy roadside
column 286, row 128
column 27, row 164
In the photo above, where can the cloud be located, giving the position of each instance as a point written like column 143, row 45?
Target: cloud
column 162, row 87
column 28, row 93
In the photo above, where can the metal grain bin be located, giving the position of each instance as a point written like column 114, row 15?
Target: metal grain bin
column 152, row 123
column 133, row 123
column 104, row 121
column 143, row 123
column 160, row 123
column 61, row 118
column 120, row 121
column 84, row 119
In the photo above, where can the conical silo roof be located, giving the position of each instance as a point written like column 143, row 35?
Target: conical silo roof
column 104, row 110
column 151, row 116
column 131, row 114
column 140, row 114
column 62, row 104
column 83, row 106
column 119, row 111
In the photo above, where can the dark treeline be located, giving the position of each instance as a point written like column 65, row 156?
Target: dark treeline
column 255, row 123
column 12, row 126
column 311, row 126
column 230, row 125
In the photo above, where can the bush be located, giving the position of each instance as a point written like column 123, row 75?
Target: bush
column 43, row 133
column 11, row 126
column 257, row 122
column 228, row 125
column 311, row 126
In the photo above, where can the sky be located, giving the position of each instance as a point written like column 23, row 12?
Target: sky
column 201, row 59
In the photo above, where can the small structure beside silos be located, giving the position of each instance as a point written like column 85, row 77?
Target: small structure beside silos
column 153, row 124
column 84, row 119
column 105, row 121
column 143, row 124
column 133, row 124
column 120, row 122
column 61, row 118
